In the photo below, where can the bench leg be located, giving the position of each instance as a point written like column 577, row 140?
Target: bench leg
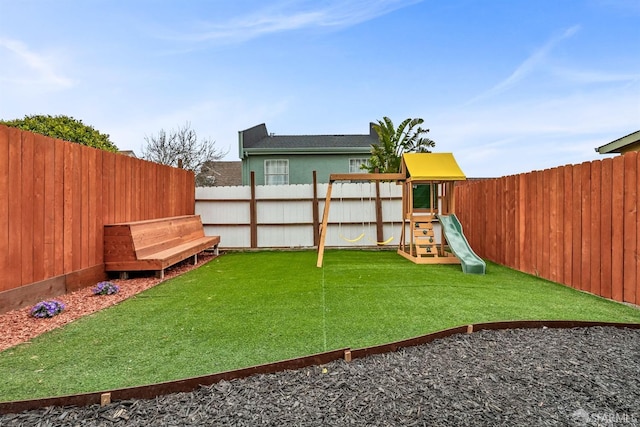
column 124, row 275
column 195, row 259
column 160, row 274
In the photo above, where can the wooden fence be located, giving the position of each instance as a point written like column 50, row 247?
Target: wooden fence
column 55, row 197
column 288, row 216
column 577, row 225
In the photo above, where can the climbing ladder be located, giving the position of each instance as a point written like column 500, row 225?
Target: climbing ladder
column 420, row 245
column 424, row 240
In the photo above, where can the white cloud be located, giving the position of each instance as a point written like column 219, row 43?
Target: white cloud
column 25, row 67
column 528, row 66
column 294, row 15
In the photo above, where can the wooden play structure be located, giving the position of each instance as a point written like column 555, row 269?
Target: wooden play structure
column 428, row 190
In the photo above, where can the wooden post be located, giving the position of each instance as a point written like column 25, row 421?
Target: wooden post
column 379, row 219
column 105, row 399
column 253, row 212
column 315, row 207
column 323, row 229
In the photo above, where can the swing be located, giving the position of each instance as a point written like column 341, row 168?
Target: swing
column 390, row 239
column 346, row 239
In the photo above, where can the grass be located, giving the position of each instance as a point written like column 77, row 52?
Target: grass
column 244, row 309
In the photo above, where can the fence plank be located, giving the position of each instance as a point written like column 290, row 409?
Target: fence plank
column 596, row 206
column 585, row 274
column 567, row 226
column 617, row 228
column 576, row 223
column 637, row 286
column 92, row 203
column 108, row 160
column 553, row 232
column 607, row 207
column 59, row 203
column 27, row 200
column 631, row 249
column 528, row 257
column 47, row 147
column 520, row 220
column 84, row 209
column 14, row 254
column 38, row 207
column 560, row 225
column 511, row 223
column 4, row 208
column 539, row 223
column 77, row 221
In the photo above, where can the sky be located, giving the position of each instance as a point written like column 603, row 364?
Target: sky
column 508, row 86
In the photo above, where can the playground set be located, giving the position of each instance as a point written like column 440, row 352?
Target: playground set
column 428, row 190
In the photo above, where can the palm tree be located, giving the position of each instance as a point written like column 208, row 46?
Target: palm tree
column 392, row 142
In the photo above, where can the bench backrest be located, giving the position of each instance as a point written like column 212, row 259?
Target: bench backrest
column 143, row 238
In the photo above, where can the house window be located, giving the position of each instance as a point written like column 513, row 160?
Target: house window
column 276, row 172
column 355, row 165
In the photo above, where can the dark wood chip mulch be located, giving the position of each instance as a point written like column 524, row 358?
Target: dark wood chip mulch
column 532, row 377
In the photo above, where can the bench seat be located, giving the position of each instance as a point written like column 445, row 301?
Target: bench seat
column 154, row 245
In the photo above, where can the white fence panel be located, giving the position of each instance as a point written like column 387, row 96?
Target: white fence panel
column 230, row 237
column 284, row 214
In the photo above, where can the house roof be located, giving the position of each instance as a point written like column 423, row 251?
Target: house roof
column 227, row 173
column 630, row 142
column 432, row 167
column 257, row 140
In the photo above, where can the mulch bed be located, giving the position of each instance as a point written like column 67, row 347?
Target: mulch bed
column 541, row 377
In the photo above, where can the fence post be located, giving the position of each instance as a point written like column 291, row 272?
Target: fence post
column 315, row 207
column 379, row 219
column 253, row 213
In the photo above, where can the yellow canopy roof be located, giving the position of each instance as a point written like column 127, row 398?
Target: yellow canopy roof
column 432, row 167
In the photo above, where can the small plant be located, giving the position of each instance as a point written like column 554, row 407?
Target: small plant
column 106, row 288
column 47, row 309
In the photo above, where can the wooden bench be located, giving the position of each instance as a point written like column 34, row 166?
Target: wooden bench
column 155, row 244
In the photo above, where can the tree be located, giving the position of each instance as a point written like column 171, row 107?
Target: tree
column 181, row 148
column 65, row 128
column 392, row 142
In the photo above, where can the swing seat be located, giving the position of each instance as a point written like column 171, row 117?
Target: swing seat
column 386, row 242
column 352, row 240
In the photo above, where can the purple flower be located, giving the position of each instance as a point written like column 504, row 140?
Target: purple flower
column 47, row 309
column 105, row 288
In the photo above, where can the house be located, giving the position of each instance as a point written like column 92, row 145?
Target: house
column 622, row 145
column 227, row 173
column 290, row 159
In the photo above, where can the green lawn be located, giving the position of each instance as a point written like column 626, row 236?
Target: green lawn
column 244, row 309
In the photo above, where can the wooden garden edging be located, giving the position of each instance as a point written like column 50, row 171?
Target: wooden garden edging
column 189, row 384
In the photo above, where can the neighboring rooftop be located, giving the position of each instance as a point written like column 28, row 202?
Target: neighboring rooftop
column 227, row 173
column 129, row 153
column 258, row 140
column 625, row 144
